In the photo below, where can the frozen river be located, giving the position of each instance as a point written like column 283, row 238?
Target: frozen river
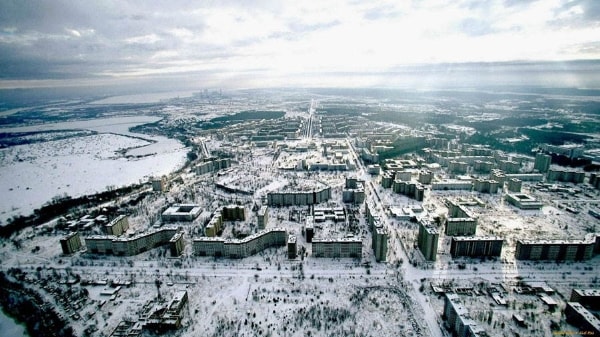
column 9, row 327
column 33, row 174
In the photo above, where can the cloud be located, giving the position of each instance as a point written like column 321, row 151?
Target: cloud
column 283, row 39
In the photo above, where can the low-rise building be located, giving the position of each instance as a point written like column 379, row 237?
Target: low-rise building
column 181, row 212
column 335, row 214
column 523, row 201
column 127, row 246
column 167, row 317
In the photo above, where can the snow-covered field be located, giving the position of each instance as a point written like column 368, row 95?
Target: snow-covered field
column 33, row 174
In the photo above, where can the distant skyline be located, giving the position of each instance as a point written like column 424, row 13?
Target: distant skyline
column 242, row 44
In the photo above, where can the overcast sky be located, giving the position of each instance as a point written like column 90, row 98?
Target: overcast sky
column 266, row 43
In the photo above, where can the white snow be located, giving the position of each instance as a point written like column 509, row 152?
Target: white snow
column 33, row 174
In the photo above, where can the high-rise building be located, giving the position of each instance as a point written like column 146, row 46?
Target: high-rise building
column 380, row 238
column 177, row 245
column 263, row 217
column 292, row 247
column 514, row 185
column 71, row 243
column 542, row 162
column 428, row 240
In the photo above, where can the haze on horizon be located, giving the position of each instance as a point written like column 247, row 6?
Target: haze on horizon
column 345, row 43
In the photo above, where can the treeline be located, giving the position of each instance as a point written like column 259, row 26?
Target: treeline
column 29, row 307
column 61, row 206
column 403, row 146
column 223, row 121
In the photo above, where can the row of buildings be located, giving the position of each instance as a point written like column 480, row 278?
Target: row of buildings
column 558, row 250
column 128, row 246
column 337, row 248
column 234, row 248
column 209, row 165
column 299, row 198
column 225, row 213
column 473, row 246
column 379, row 235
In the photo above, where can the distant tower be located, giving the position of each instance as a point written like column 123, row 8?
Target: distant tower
column 542, row 162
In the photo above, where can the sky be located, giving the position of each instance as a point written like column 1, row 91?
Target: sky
column 288, row 43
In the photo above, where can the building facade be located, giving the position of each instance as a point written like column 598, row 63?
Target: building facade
column 542, row 162
column 71, row 243
column 380, row 242
column 337, row 248
column 554, row 250
column 582, row 318
column 263, row 217
column 233, row 248
column 298, row 198
column 128, row 246
column 427, row 240
column 117, row 226
column 476, row 246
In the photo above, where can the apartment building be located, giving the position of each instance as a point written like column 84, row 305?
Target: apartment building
column 71, row 243
column 128, row 246
column 117, row 226
column 334, row 248
column 554, row 250
column 476, row 246
column 427, row 240
column 234, row 248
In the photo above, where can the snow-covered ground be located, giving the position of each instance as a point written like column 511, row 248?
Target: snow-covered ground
column 33, row 174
